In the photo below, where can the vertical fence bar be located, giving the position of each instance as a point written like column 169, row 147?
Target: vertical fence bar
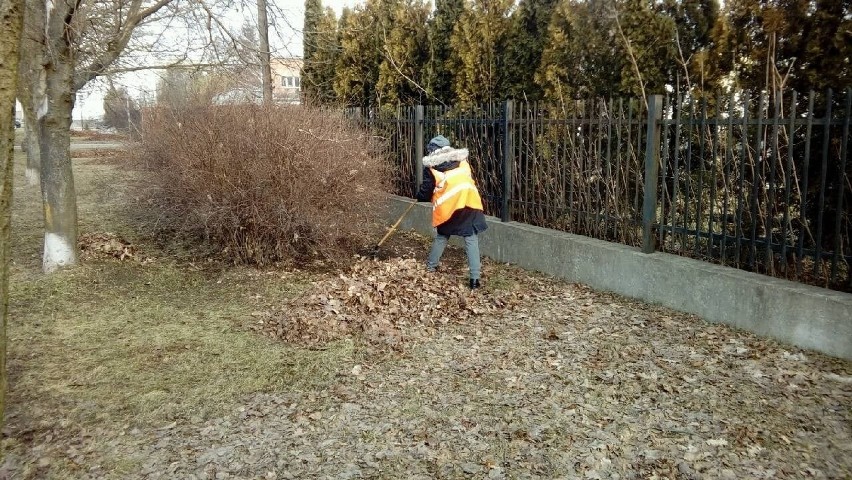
column 664, row 164
column 594, row 169
column 508, row 147
column 676, row 179
column 803, row 189
column 558, row 165
column 702, row 124
column 826, row 137
column 418, row 145
column 652, row 172
column 729, row 155
column 841, row 183
column 542, row 186
column 638, row 122
column 571, row 171
column 612, row 178
column 773, row 188
column 688, row 188
column 788, row 177
column 758, row 138
column 581, row 162
column 595, row 138
column 528, row 158
column 741, row 186
column 714, row 145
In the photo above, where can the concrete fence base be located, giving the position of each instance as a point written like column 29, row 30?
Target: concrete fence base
column 801, row 315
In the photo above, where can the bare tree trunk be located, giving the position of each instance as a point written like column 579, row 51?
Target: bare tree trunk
column 33, row 171
column 30, row 92
column 263, row 31
column 54, row 125
column 11, row 24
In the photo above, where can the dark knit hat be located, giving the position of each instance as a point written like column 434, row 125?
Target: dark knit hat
column 438, row 142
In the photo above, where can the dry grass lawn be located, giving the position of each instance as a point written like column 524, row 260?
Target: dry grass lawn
column 145, row 342
column 144, row 362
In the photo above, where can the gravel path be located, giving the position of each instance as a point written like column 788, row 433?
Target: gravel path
column 582, row 385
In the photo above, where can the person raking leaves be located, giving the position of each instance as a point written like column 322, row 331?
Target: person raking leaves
column 456, row 204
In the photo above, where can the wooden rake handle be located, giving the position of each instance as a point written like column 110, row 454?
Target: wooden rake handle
column 395, row 225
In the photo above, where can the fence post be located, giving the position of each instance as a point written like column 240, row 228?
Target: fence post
column 508, row 159
column 418, row 146
column 652, row 172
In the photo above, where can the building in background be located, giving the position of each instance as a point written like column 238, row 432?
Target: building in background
column 287, row 80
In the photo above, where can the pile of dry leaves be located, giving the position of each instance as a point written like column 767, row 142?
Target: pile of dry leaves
column 386, row 301
column 99, row 245
column 105, row 156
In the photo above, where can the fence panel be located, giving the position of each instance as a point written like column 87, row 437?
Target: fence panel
column 761, row 184
column 396, row 132
column 579, row 168
column 754, row 182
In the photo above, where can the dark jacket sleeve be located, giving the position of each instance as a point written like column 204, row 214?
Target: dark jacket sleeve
column 424, row 194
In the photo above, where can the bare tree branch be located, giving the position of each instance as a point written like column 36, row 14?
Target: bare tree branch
column 632, row 56
column 176, row 65
column 118, row 44
column 390, row 58
column 683, row 61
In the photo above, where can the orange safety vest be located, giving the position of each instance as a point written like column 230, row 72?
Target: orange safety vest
column 454, row 190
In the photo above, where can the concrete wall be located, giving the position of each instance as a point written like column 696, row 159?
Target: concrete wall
column 802, row 315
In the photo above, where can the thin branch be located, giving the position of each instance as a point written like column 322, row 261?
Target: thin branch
column 171, row 66
column 399, row 71
column 632, row 57
column 117, row 45
column 683, row 61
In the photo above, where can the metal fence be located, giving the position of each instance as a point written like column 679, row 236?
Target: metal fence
column 760, row 183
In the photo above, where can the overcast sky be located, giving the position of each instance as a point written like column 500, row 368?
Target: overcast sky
column 286, row 39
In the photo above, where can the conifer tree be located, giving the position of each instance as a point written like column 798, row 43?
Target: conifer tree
column 607, row 48
column 647, row 38
column 320, row 57
column 405, row 52
column 357, row 68
column 696, row 21
column 310, row 42
column 443, row 60
column 525, row 44
column 787, row 43
column 479, row 39
column 581, row 57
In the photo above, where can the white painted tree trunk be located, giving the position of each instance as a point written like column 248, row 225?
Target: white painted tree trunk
column 57, row 180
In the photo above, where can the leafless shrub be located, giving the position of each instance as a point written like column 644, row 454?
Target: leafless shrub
column 263, row 184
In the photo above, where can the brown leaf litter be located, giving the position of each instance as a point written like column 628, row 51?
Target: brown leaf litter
column 104, row 156
column 387, row 301
column 101, row 245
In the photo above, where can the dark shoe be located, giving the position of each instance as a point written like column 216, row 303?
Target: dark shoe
column 474, row 283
